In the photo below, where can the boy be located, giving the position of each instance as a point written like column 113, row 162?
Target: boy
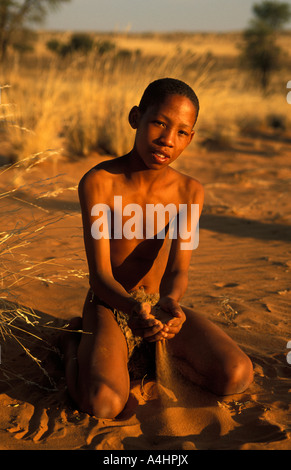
column 130, row 272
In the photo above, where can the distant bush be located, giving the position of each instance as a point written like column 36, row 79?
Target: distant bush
column 103, row 47
column 22, row 48
column 65, row 49
column 277, row 122
column 79, row 42
column 54, row 45
column 23, row 41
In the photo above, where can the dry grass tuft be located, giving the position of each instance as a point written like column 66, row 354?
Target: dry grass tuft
column 18, row 323
column 227, row 312
column 82, row 104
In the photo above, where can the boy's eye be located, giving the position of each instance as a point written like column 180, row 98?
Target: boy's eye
column 159, row 123
column 183, row 133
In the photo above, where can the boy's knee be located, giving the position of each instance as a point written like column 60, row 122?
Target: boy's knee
column 103, row 403
column 235, row 376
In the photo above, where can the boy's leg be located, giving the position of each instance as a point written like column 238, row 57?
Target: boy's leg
column 97, row 374
column 209, row 357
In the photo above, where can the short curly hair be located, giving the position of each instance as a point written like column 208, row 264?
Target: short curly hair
column 157, row 91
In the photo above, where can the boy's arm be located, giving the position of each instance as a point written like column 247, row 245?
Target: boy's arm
column 101, row 280
column 175, row 279
column 92, row 190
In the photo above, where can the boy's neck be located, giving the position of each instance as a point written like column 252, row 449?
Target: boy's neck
column 139, row 173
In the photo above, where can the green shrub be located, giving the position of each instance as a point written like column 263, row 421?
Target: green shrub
column 79, row 42
column 54, row 45
column 105, row 46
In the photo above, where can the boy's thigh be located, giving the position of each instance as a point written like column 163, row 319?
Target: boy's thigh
column 203, row 344
column 102, row 353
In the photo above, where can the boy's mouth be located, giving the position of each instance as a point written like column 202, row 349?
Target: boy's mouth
column 160, row 156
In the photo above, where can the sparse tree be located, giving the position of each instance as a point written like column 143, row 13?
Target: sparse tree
column 260, row 52
column 273, row 13
column 14, row 15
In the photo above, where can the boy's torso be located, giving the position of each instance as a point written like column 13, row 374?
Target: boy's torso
column 140, row 261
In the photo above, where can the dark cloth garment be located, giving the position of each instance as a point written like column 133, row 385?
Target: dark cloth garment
column 141, row 353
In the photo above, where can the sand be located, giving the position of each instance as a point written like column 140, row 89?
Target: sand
column 239, row 278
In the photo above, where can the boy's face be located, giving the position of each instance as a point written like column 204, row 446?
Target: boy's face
column 163, row 131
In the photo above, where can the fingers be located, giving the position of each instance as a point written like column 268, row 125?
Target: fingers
column 160, row 325
column 144, row 308
column 143, row 323
column 174, row 326
column 159, row 332
column 149, row 320
column 153, row 333
column 158, row 336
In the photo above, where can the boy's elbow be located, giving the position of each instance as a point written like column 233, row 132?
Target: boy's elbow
column 96, row 281
column 99, row 281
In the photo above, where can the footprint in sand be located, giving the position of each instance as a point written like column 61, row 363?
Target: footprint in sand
column 226, row 284
column 37, row 424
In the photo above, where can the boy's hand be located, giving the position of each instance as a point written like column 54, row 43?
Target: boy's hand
column 169, row 312
column 143, row 323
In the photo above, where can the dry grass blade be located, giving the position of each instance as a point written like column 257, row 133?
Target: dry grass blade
column 227, row 311
column 18, row 323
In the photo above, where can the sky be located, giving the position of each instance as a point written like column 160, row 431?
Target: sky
column 152, row 15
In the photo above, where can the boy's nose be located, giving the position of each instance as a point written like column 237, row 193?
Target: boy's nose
column 167, row 138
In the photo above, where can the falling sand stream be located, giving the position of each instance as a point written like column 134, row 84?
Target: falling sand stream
column 186, row 409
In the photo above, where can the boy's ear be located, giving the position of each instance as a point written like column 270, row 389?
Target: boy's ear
column 191, row 136
column 134, row 117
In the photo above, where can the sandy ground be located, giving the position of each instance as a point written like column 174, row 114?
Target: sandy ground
column 239, row 278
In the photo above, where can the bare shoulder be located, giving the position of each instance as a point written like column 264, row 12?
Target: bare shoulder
column 94, row 181
column 191, row 189
column 195, row 193
column 193, row 184
column 101, row 174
